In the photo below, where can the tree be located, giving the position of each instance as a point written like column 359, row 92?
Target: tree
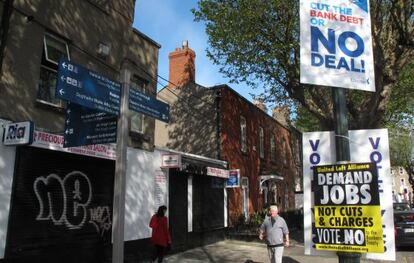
column 257, row 41
column 402, row 150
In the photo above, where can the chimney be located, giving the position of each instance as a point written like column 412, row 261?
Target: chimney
column 281, row 114
column 182, row 66
column 260, row 104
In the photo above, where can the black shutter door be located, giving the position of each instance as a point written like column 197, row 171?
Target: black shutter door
column 178, row 209
column 61, row 208
column 208, row 204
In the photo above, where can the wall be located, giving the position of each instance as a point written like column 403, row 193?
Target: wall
column 7, row 158
column 250, row 163
column 192, row 127
column 140, row 199
column 110, row 22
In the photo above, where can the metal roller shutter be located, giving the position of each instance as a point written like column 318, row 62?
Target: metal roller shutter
column 61, row 208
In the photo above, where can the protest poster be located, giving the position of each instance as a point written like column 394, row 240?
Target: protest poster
column 336, row 44
column 365, row 146
column 347, row 208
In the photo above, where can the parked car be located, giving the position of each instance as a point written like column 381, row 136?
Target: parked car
column 401, row 207
column 404, row 228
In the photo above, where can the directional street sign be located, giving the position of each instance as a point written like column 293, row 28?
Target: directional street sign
column 87, row 88
column 148, row 105
column 85, row 126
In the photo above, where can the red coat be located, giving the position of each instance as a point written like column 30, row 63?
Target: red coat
column 160, row 233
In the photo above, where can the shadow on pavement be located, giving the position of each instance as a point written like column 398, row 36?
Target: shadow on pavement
column 251, row 261
column 289, row 260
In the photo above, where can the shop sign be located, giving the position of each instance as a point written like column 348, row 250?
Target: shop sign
column 18, row 133
column 234, row 179
column 55, row 142
column 171, row 161
column 217, row 172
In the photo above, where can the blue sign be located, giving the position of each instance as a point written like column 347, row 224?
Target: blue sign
column 234, row 179
column 85, row 126
column 147, row 105
column 87, row 88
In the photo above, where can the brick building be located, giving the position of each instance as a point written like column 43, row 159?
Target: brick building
column 402, row 188
column 217, row 122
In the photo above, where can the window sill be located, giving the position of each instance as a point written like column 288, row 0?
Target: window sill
column 50, row 106
column 139, row 137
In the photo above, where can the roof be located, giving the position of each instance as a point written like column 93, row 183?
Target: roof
column 146, row 37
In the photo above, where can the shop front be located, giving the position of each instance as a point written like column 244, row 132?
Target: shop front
column 60, row 203
column 197, row 201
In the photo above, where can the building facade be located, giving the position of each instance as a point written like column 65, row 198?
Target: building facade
column 219, row 123
column 57, row 203
column 402, row 188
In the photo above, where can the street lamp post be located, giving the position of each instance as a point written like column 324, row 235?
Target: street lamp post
column 342, row 151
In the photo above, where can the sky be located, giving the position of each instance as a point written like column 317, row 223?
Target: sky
column 169, row 23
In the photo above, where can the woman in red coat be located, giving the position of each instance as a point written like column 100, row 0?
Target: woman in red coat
column 160, row 233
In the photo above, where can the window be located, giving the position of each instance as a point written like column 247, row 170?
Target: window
column 53, row 49
column 243, row 134
column 272, row 149
column 261, row 142
column 284, row 152
column 401, row 170
column 137, row 119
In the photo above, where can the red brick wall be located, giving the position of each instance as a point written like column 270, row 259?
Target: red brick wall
column 250, row 163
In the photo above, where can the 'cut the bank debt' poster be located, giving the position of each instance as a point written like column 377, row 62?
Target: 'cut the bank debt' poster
column 362, row 194
column 336, row 44
column 347, row 208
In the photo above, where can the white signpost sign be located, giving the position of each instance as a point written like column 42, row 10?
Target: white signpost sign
column 365, row 146
column 336, row 45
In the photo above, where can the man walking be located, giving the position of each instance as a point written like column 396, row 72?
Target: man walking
column 274, row 228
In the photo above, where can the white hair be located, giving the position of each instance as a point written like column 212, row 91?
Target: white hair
column 273, row 207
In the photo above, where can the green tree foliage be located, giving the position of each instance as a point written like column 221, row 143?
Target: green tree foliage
column 402, row 150
column 257, row 41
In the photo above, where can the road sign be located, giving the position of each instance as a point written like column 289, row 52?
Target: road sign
column 147, row 105
column 87, row 88
column 85, row 126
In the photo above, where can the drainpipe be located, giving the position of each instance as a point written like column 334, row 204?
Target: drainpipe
column 218, row 123
column 4, row 28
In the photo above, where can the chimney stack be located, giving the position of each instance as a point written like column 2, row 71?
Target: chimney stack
column 281, row 114
column 260, row 104
column 182, row 66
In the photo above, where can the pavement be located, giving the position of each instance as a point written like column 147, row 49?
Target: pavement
column 235, row 251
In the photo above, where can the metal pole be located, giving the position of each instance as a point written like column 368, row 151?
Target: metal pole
column 120, row 173
column 342, row 151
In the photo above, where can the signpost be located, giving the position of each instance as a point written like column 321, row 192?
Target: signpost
column 87, row 88
column 84, row 126
column 142, row 103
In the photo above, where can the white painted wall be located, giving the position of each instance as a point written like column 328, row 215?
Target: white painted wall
column 7, row 158
column 140, row 203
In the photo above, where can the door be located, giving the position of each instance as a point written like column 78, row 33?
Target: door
column 178, row 208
